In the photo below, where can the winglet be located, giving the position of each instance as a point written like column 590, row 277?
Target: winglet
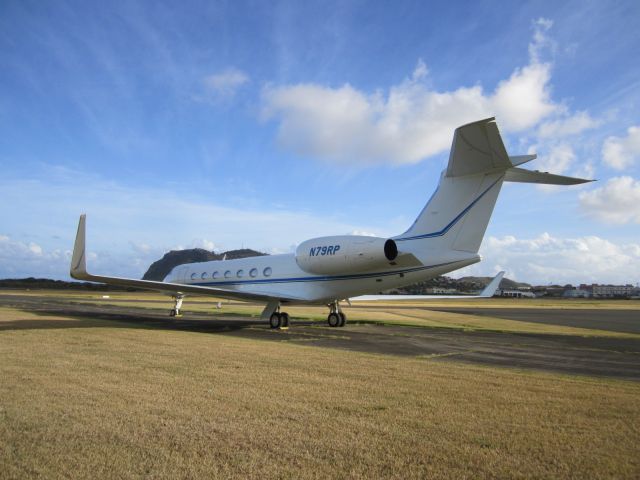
column 78, row 259
column 490, row 289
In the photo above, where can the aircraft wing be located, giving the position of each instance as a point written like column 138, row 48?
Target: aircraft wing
column 79, row 272
column 488, row 292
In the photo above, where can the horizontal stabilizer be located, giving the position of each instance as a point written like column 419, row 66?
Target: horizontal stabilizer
column 529, row 176
column 520, row 159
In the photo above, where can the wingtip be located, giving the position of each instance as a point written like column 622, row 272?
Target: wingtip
column 78, row 269
column 493, row 285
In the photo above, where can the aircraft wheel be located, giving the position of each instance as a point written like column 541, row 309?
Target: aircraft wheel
column 284, row 317
column 172, row 312
column 275, row 320
column 334, row 320
column 343, row 319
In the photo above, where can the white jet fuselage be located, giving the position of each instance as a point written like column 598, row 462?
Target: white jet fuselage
column 280, row 276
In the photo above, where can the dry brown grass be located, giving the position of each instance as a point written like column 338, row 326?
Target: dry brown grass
column 121, row 402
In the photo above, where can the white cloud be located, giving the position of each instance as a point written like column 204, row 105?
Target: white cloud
column 21, row 259
column 225, row 84
column 547, row 259
column 541, row 41
column 128, row 227
column 524, row 99
column 409, row 122
column 141, row 248
column 421, row 70
column 362, row 233
column 618, row 201
column 204, row 244
column 620, row 153
column 558, row 160
column 571, row 125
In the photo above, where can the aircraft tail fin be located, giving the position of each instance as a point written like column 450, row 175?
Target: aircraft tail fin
column 457, row 215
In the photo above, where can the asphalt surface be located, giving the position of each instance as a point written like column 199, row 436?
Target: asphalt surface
column 598, row 356
column 625, row 321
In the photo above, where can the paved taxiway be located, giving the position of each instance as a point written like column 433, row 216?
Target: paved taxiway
column 625, row 321
column 601, row 356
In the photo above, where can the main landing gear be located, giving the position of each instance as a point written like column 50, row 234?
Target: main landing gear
column 279, row 319
column 336, row 317
column 175, row 311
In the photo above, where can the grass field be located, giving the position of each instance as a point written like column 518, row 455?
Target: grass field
column 131, row 402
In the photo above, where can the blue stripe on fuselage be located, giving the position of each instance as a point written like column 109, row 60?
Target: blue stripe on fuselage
column 452, row 223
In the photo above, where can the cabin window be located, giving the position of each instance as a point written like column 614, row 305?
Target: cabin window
column 253, row 273
column 267, row 272
column 193, row 276
column 240, row 273
column 204, row 275
column 215, row 275
column 227, row 274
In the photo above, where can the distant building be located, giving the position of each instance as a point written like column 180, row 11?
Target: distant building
column 441, row 291
column 610, row 291
column 576, row 293
column 515, row 293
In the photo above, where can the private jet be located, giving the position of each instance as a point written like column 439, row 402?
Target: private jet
column 446, row 236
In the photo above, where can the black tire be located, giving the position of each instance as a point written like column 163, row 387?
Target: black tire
column 284, row 317
column 275, row 320
column 172, row 312
column 333, row 320
column 343, row 319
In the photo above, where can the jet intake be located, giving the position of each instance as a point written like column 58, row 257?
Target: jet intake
column 345, row 254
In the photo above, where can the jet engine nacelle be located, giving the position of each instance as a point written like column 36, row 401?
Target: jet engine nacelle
column 345, row 254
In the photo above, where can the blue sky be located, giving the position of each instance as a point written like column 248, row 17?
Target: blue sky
column 261, row 124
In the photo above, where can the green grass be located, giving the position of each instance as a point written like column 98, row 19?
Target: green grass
column 110, row 401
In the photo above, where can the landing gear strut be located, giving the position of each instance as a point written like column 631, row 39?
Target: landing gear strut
column 336, row 317
column 175, row 311
column 279, row 319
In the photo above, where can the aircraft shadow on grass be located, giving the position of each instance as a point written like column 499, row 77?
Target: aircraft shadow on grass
column 90, row 318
